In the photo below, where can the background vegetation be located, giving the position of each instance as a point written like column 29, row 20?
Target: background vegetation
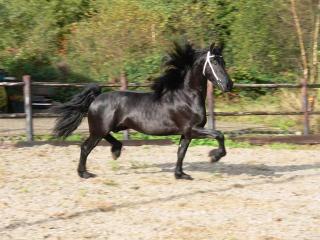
column 86, row 40
column 74, row 40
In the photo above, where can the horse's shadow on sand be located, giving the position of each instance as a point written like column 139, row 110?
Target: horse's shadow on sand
column 233, row 169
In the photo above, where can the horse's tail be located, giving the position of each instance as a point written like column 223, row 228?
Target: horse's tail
column 70, row 114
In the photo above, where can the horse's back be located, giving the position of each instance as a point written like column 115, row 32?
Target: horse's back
column 118, row 99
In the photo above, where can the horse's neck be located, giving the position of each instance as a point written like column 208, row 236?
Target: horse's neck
column 196, row 82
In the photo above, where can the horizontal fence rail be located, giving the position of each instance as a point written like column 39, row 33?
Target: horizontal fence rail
column 273, row 85
column 12, row 82
column 258, row 113
column 218, row 114
column 110, row 85
column 80, row 85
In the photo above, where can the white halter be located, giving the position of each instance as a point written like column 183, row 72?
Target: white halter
column 212, row 69
column 210, row 65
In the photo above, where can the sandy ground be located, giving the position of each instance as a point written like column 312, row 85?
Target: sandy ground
column 251, row 194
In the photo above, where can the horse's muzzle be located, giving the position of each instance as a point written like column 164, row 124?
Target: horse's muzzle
column 229, row 86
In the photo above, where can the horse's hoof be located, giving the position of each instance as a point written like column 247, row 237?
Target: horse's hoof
column 116, row 154
column 183, row 176
column 86, row 174
column 216, row 154
column 215, row 158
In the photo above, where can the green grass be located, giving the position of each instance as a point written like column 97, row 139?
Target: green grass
column 210, row 142
column 271, row 102
column 174, row 138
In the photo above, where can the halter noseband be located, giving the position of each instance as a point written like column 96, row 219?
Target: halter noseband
column 210, row 65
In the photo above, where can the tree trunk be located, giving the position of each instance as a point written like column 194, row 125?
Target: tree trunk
column 314, row 67
column 304, row 61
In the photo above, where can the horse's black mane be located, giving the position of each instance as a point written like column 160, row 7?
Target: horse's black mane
column 177, row 63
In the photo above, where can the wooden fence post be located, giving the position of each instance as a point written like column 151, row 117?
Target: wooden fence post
column 124, row 87
column 28, row 106
column 305, row 108
column 210, row 101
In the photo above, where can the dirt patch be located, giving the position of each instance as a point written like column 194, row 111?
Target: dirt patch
column 251, row 194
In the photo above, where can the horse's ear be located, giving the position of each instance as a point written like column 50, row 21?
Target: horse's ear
column 212, row 47
column 221, row 47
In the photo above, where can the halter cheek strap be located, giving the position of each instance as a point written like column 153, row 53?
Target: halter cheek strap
column 210, row 65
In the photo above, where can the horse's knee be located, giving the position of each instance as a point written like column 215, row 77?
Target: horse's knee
column 219, row 136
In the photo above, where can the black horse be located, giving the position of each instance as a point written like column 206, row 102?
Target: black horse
column 176, row 106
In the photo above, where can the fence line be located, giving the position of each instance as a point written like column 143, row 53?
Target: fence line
column 219, row 114
column 261, row 113
column 275, row 85
column 27, row 83
column 111, row 85
column 11, row 84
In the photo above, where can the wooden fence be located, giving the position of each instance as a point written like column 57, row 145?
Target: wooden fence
column 28, row 115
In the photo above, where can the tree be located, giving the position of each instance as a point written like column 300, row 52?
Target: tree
column 119, row 33
column 30, row 42
column 309, row 64
column 260, row 40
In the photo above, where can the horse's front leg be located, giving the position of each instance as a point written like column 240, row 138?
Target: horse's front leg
column 215, row 154
column 183, row 146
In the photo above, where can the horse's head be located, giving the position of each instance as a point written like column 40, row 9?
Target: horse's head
column 214, row 69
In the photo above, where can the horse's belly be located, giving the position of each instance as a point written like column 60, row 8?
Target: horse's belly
column 158, row 132
column 152, row 127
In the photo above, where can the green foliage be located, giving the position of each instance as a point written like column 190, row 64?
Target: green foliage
column 144, row 69
column 260, row 39
column 25, row 34
column 32, row 33
column 118, row 34
column 83, row 40
column 65, row 94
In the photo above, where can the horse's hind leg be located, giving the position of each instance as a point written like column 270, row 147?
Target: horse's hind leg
column 116, row 146
column 86, row 148
column 183, row 146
